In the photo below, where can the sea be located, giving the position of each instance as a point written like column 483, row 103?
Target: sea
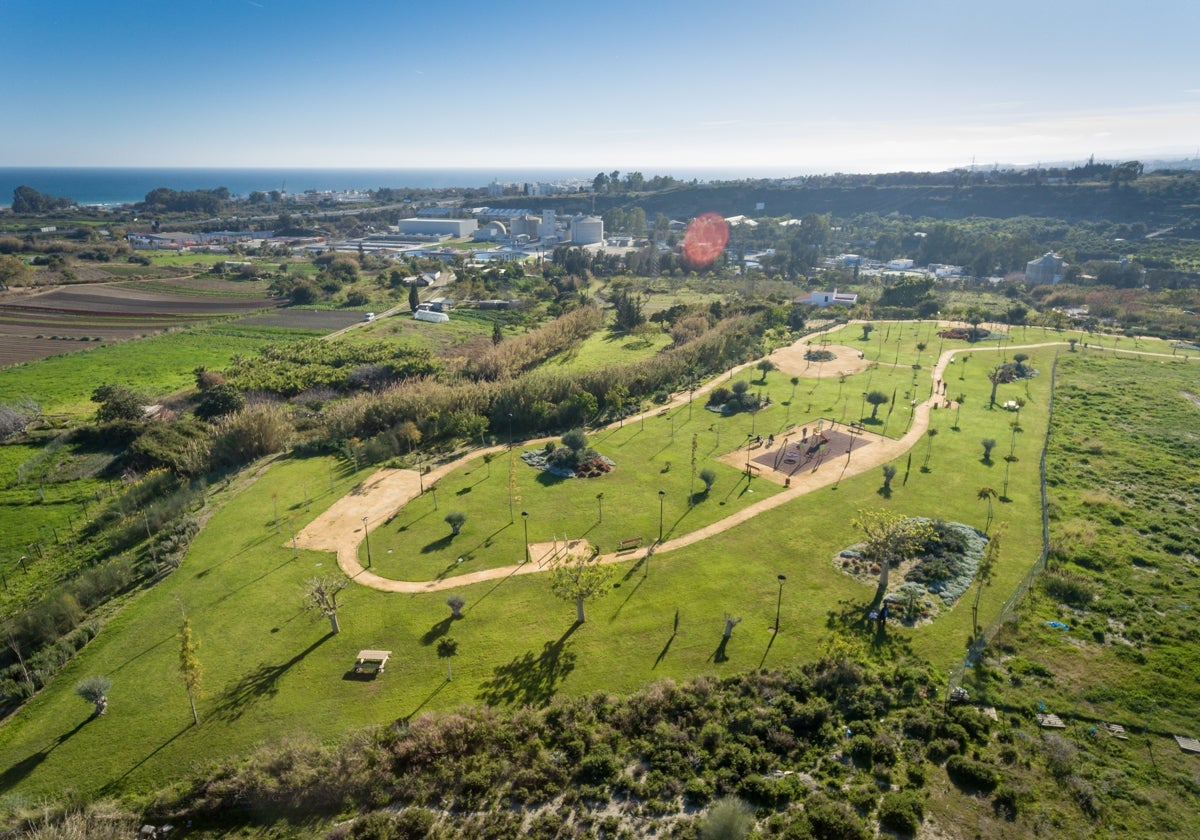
column 116, row 186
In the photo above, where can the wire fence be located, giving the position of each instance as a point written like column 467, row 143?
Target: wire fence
column 985, row 636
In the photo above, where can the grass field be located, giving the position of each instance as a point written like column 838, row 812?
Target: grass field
column 272, row 671
column 155, row 365
column 609, row 348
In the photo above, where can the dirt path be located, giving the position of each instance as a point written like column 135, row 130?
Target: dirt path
column 376, row 500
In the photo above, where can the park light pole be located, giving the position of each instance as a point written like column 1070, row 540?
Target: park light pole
column 779, row 600
column 662, row 494
column 367, row 537
column 525, row 519
column 510, row 430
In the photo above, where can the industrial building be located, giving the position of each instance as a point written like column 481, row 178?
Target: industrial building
column 457, row 228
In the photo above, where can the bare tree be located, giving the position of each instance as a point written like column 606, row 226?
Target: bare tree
column 321, row 595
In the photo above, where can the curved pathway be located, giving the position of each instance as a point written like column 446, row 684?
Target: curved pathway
column 376, row 500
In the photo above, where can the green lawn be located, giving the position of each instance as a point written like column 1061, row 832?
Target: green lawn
column 155, row 365
column 271, row 670
column 606, row 348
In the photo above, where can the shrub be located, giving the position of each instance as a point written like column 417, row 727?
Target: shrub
column 901, row 811
column 970, row 774
column 1067, row 588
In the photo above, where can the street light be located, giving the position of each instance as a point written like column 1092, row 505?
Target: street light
column 367, row 537
column 662, row 494
column 510, row 430
column 779, row 601
column 525, row 519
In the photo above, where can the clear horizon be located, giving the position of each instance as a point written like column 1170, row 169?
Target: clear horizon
column 789, row 88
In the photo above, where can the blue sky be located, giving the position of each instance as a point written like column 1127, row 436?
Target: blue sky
column 781, row 86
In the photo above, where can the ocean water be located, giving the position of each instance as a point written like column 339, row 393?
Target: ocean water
column 124, row 186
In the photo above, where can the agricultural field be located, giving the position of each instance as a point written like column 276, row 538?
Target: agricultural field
column 69, row 318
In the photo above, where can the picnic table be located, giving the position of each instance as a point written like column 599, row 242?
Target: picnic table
column 371, row 661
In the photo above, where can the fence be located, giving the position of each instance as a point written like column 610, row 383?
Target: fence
column 985, row 636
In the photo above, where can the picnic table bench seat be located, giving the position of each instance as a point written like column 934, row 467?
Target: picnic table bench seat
column 371, row 661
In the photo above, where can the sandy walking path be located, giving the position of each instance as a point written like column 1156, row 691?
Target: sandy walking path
column 378, row 498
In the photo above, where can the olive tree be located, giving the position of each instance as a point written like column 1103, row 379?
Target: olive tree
column 580, row 579
column 890, row 539
column 95, row 691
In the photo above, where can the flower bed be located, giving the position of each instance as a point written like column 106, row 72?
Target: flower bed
column 931, row 582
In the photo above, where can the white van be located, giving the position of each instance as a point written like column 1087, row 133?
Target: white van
column 369, row 317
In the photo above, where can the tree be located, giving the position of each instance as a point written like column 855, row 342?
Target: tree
column 920, row 349
column 867, row 329
column 729, row 818
column 218, row 401
column 447, row 648
column 414, row 297
column 987, row 566
column 497, row 332
column 13, row 272
column 189, row 663
column 986, row 494
column 708, row 477
column 891, row 539
column 958, row 403
column 95, row 691
column 996, row 376
column 876, row 399
column 117, row 403
column 580, row 579
column 766, row 366
column 988, row 445
column 889, row 472
column 795, row 381
column 455, row 520
column 930, row 434
column 456, row 604
column 321, row 595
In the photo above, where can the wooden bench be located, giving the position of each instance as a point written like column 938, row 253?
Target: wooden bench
column 630, row 544
column 371, row 662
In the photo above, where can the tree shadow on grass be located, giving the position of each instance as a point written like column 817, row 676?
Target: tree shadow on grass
column 115, row 784
column 469, row 552
column 438, row 545
column 719, row 655
column 259, row 683
column 14, row 774
column 533, row 678
column 437, row 631
column 852, row 618
column 549, row 479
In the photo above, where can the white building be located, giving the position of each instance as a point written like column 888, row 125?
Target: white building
column 587, row 230
column 834, row 298
column 457, row 228
column 547, row 229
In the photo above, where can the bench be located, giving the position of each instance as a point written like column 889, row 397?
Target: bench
column 630, row 544
column 371, row 662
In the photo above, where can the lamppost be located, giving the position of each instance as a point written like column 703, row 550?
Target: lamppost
column 433, row 490
column 367, row 537
column 510, row 430
column 662, row 494
column 779, row 600
column 525, row 519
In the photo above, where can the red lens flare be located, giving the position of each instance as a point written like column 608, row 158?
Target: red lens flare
column 705, row 240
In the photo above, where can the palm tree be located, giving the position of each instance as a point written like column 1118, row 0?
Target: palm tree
column 958, row 401
column 988, row 445
column 930, row 434
column 987, row 494
column 920, row 349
